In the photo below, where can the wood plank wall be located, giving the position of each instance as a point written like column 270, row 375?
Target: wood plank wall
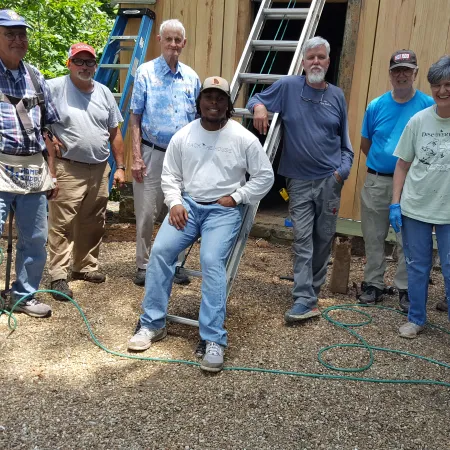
column 386, row 26
column 216, row 32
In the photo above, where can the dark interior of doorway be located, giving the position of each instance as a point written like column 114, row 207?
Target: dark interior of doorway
column 331, row 27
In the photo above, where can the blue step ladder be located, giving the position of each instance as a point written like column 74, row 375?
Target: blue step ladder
column 109, row 67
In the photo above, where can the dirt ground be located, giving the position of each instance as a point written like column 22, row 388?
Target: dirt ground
column 60, row 391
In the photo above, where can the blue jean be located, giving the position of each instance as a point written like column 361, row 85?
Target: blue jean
column 31, row 223
column 218, row 227
column 418, row 249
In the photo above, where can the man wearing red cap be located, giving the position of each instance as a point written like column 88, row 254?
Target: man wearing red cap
column 89, row 122
column 384, row 122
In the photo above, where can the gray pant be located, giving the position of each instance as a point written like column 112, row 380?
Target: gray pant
column 314, row 207
column 148, row 203
column 376, row 196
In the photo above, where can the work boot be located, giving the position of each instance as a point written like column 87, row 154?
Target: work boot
column 213, row 359
column 181, row 279
column 32, row 307
column 442, row 305
column 139, row 278
column 92, row 277
column 62, row 287
column 403, row 300
column 371, row 296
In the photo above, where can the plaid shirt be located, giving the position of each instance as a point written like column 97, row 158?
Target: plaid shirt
column 13, row 138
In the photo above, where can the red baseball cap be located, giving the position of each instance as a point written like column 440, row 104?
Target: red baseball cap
column 81, row 47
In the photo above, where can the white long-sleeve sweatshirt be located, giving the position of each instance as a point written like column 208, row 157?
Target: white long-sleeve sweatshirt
column 208, row 165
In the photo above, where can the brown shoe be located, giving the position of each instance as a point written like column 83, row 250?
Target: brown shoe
column 92, row 277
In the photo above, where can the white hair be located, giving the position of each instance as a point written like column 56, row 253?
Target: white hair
column 314, row 42
column 172, row 23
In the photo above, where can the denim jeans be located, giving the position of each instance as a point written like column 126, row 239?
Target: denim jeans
column 218, row 227
column 314, row 207
column 418, row 248
column 31, row 223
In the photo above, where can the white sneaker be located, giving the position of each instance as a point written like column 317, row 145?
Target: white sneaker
column 213, row 359
column 143, row 339
column 410, row 330
column 32, row 307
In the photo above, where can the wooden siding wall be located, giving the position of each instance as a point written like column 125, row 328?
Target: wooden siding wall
column 216, row 32
column 386, row 26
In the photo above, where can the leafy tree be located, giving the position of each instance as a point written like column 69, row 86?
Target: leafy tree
column 57, row 24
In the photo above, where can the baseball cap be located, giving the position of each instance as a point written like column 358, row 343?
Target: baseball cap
column 403, row 58
column 9, row 18
column 216, row 83
column 81, row 47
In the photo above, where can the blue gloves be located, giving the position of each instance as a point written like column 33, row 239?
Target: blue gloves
column 395, row 217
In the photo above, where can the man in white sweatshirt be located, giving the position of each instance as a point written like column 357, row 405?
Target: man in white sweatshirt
column 204, row 186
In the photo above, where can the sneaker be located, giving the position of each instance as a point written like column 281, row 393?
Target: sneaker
column 201, row 349
column 300, row 312
column 410, row 330
column 32, row 307
column 92, row 277
column 213, row 359
column 442, row 305
column 143, row 339
column 139, row 278
column 371, row 296
column 181, row 279
column 62, row 287
column 403, row 300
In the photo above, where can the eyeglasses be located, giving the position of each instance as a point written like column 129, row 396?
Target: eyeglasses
column 320, row 102
column 407, row 71
column 10, row 36
column 79, row 62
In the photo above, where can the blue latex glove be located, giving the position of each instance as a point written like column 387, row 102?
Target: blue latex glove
column 395, row 217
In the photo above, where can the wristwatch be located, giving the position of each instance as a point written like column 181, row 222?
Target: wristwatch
column 121, row 166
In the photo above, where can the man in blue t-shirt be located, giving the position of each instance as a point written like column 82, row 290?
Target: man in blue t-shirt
column 383, row 124
column 316, row 159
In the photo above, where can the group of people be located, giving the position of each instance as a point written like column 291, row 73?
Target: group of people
column 192, row 160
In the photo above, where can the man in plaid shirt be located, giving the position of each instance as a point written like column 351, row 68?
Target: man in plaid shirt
column 26, row 180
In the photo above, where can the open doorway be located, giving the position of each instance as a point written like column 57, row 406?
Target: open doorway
column 331, row 27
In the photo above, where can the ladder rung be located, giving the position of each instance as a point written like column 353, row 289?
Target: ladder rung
column 124, row 38
column 244, row 112
column 117, row 94
column 114, row 66
column 286, row 13
column 259, row 78
column 281, row 46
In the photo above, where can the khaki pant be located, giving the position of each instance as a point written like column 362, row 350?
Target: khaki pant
column 376, row 196
column 77, row 217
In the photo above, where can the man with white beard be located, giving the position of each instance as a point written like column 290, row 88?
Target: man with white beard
column 89, row 122
column 316, row 159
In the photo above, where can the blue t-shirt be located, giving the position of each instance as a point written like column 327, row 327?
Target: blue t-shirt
column 384, row 122
column 316, row 141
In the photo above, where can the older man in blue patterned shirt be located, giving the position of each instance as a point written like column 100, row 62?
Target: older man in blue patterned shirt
column 25, row 177
column 162, row 103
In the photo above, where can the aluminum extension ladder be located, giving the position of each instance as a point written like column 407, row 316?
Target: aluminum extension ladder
column 109, row 67
column 311, row 17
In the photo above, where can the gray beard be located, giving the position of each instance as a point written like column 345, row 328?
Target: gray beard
column 315, row 78
column 84, row 76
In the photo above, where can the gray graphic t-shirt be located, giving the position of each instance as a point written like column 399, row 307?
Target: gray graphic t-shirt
column 426, row 143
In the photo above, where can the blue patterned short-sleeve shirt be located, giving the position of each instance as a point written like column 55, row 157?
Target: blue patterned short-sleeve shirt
column 166, row 100
column 13, row 139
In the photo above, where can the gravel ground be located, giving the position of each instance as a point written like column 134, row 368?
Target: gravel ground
column 59, row 391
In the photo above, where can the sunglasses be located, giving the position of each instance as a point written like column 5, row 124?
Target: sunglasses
column 79, row 62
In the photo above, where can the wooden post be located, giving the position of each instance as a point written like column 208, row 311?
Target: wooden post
column 341, row 265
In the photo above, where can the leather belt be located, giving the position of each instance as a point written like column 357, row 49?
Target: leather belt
column 72, row 161
column 151, row 144
column 374, row 172
column 206, row 203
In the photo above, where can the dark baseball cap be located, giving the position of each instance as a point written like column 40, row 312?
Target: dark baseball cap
column 9, row 18
column 403, row 58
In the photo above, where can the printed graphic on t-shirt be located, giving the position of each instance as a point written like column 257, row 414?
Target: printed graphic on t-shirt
column 433, row 154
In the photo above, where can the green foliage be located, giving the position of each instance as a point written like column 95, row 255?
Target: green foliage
column 57, row 24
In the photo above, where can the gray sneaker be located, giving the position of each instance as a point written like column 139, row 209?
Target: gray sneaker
column 442, row 305
column 213, row 359
column 139, row 278
column 32, row 307
column 410, row 330
column 144, row 337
